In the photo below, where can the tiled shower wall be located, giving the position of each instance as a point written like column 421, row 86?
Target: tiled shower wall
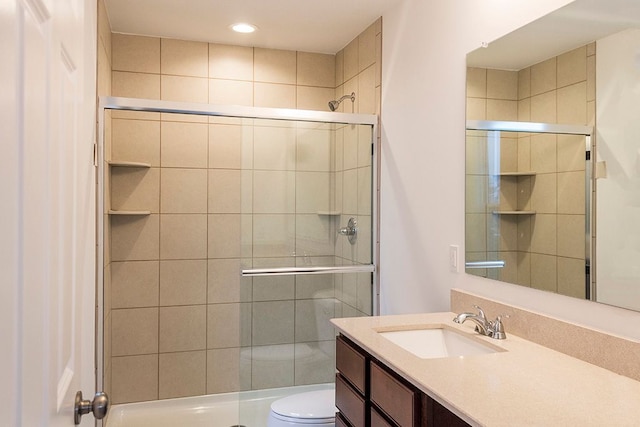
column 547, row 249
column 180, row 321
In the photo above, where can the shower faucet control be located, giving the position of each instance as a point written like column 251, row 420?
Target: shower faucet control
column 351, row 230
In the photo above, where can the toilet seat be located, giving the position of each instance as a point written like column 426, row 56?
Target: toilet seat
column 313, row 407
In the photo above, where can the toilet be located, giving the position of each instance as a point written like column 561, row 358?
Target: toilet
column 310, row 409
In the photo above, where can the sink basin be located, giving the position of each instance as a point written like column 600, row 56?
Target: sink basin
column 437, row 343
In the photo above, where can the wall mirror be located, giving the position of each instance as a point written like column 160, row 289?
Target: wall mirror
column 552, row 167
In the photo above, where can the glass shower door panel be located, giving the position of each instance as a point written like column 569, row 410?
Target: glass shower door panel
column 302, row 184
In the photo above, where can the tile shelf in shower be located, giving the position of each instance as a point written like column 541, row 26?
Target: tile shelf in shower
column 128, row 164
column 514, row 212
column 527, row 173
column 329, row 213
column 139, row 213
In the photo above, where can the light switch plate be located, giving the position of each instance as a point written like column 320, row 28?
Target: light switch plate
column 453, row 258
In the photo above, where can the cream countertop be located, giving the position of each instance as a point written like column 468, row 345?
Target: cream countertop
column 526, row 385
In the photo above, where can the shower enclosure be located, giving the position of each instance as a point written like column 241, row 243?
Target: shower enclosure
column 228, row 237
column 528, row 205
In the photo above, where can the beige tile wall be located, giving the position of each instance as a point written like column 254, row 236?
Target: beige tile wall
column 548, row 252
column 224, row 195
column 104, row 89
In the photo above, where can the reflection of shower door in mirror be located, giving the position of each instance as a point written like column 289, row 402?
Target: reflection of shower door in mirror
column 223, row 246
column 528, row 198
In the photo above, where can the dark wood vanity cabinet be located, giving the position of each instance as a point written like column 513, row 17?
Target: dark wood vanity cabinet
column 369, row 394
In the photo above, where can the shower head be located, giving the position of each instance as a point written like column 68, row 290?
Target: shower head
column 333, row 105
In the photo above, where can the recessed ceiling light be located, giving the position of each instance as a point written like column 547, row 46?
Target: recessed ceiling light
column 242, row 27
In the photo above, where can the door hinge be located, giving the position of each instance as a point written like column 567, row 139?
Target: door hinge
column 95, row 155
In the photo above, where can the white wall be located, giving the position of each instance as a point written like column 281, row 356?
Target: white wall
column 422, row 173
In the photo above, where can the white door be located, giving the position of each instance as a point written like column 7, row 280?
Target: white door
column 47, row 219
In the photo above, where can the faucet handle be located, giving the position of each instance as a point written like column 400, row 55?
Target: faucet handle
column 498, row 327
column 480, row 312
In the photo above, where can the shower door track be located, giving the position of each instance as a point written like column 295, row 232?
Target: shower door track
column 235, row 111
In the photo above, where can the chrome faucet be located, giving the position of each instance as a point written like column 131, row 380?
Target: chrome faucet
column 493, row 329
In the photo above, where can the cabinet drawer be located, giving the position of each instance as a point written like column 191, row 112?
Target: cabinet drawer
column 341, row 421
column 394, row 398
column 351, row 363
column 350, row 403
column 378, row 420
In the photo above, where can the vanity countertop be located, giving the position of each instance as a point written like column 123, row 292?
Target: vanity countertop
column 526, row 385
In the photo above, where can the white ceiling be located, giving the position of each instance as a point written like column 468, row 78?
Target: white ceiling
column 323, row 26
column 579, row 23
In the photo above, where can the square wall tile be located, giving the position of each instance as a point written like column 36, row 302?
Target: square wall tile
column 230, row 62
column 524, row 110
column 544, row 107
column 182, row 374
column 571, row 277
column 524, row 234
column 508, row 154
column 273, row 235
column 183, row 191
column 134, row 284
column 366, row 92
column 273, row 95
column 313, row 149
column 274, row 288
column 184, row 89
column 135, row 53
column 227, row 372
column 571, row 193
column 183, row 328
column 502, row 84
column 135, row 189
column 544, row 234
column 135, row 238
column 314, row 235
column 184, row 58
column 230, row 147
column 572, row 104
column 502, row 110
column 476, row 232
column 572, row 67
column 524, row 83
column 544, row 153
column 226, row 233
column 351, row 62
column 367, row 47
column 339, row 71
column 571, row 153
column 273, row 322
column 571, row 236
column 274, row 192
column 134, row 378
column 316, row 69
column 183, row 236
column 312, row 320
column 230, row 191
column 544, row 194
column 317, row 369
column 315, row 285
column 136, row 141
column 476, row 109
column 312, row 192
column 524, row 154
column 544, row 272
column 476, row 194
column 135, row 85
column 184, row 144
column 272, row 366
column 230, row 92
column 183, row 282
column 228, row 325
column 127, row 340
column 364, row 298
column 476, row 82
column 225, row 283
column 365, row 145
column 364, row 190
column 543, row 77
column 274, row 66
column 524, row 269
column 274, row 148
column 313, row 98
column 350, row 192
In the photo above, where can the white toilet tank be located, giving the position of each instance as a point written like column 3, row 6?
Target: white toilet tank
column 313, row 408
